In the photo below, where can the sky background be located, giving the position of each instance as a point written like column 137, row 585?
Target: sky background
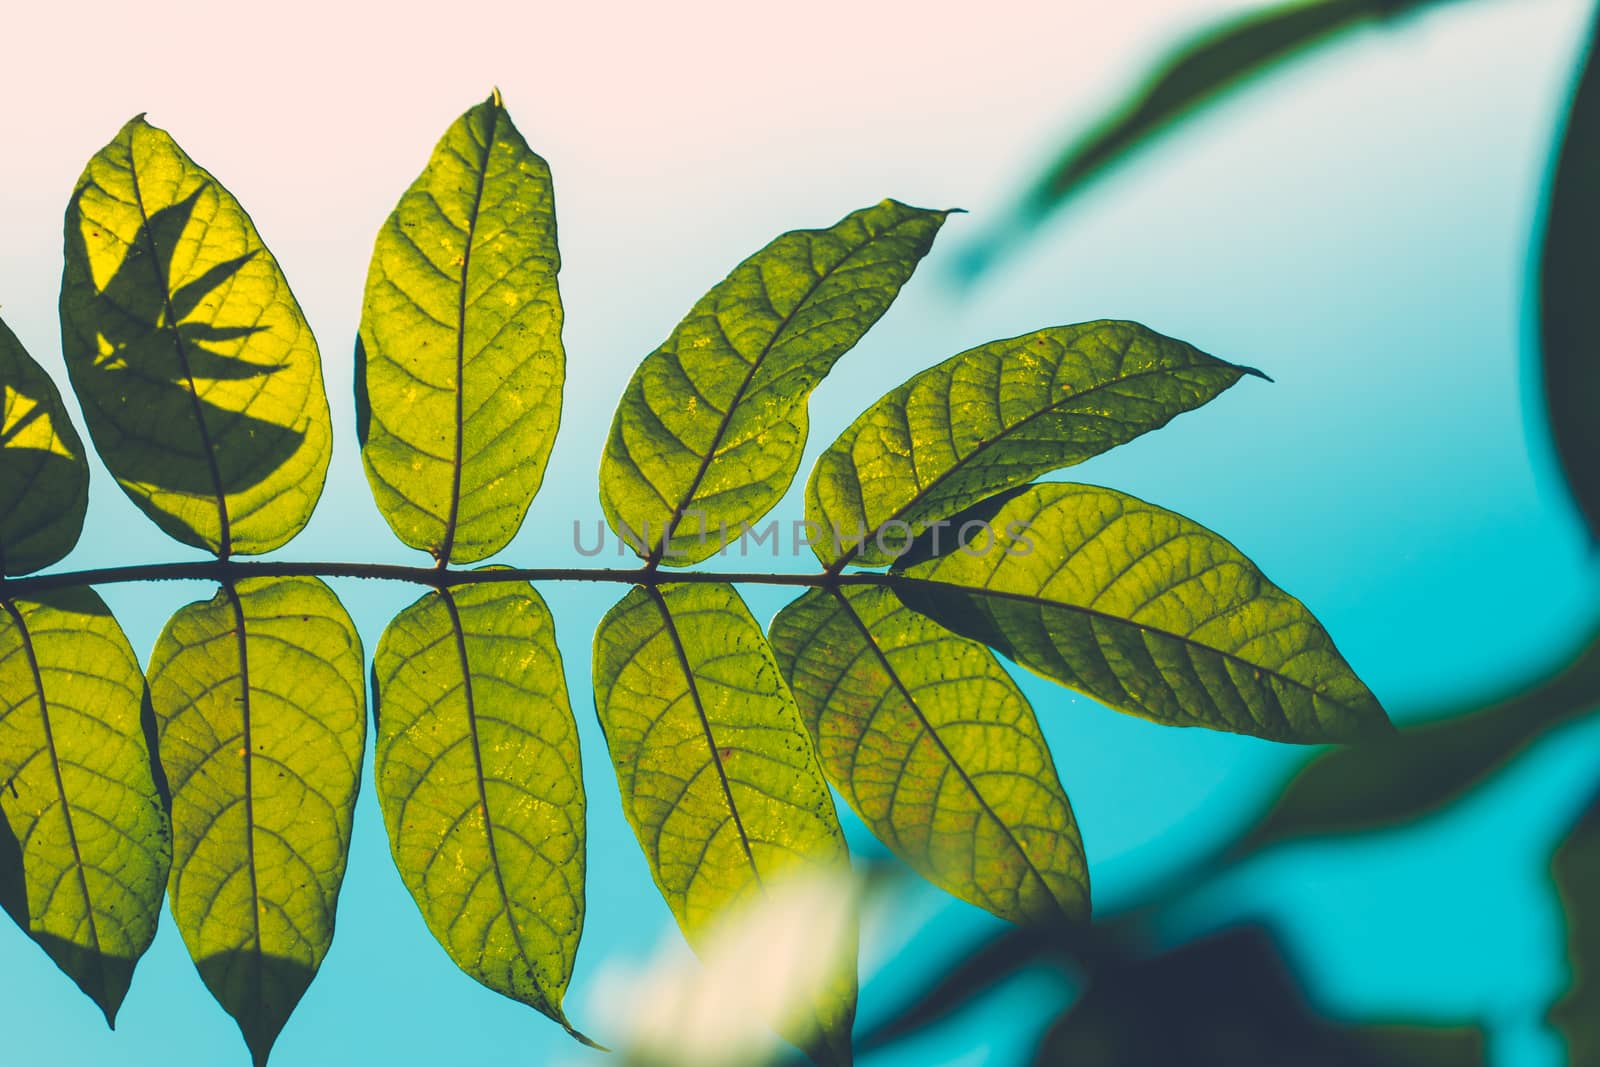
column 1358, row 227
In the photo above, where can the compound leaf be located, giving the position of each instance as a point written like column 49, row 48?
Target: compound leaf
column 460, row 358
column 1569, row 322
column 478, row 774
column 718, row 779
column 992, row 418
column 259, row 694
column 198, row 375
column 1577, row 874
column 44, row 477
column 935, row 747
column 1147, row 612
column 84, row 844
column 711, row 427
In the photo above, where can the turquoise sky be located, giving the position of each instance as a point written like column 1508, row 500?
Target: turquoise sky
column 1358, row 227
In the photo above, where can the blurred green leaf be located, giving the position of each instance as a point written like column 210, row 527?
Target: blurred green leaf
column 44, row 477
column 992, row 418
column 1147, row 612
column 717, row 775
column 1577, row 874
column 1198, row 73
column 460, row 357
column 1570, row 313
column 261, row 700
column 935, row 747
column 711, row 428
column 1395, row 780
column 198, row 375
column 1227, row 1001
column 478, row 774
column 84, row 843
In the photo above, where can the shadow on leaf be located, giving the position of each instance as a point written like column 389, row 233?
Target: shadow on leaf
column 259, row 991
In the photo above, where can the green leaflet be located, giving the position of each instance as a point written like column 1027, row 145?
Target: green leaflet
column 460, row 363
column 478, row 774
column 44, row 477
column 717, row 777
column 1147, row 612
column 711, row 427
column 198, row 375
column 84, row 845
column 1577, row 874
column 1397, row 780
column 260, row 698
column 1569, row 322
column 992, row 418
column 936, row 748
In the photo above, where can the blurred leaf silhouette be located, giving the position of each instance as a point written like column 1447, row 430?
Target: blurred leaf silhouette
column 1226, row 1000
column 44, row 477
column 150, row 355
column 1570, row 315
column 1198, row 74
column 1577, row 874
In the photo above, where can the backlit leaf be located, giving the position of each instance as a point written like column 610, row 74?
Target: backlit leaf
column 717, row 776
column 44, row 477
column 1147, row 612
column 1395, row 780
column 995, row 417
column 935, row 747
column 711, row 427
column 84, row 845
column 1577, row 873
column 1569, row 314
column 260, row 697
column 478, row 774
column 198, row 375
column 460, row 363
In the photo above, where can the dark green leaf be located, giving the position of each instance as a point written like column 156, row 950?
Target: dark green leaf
column 44, row 477
column 717, row 776
column 1231, row 1001
column 1569, row 312
column 260, row 696
column 1148, row 612
column 710, row 430
column 461, row 363
column 84, row 844
column 1396, row 780
column 1198, row 73
column 478, row 774
column 1577, row 874
column 198, row 375
column 935, row 747
column 992, row 418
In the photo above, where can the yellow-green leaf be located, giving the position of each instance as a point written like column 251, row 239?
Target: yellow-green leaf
column 1577, row 874
column 1147, row 612
column 995, row 417
column 937, row 750
column 44, row 477
column 711, row 427
column 260, row 697
column 717, row 776
column 84, row 845
column 479, row 778
column 460, row 364
column 198, row 375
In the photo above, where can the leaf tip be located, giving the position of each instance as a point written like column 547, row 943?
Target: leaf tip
column 1254, row 373
column 495, row 99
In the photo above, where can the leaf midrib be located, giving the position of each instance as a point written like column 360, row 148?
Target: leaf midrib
column 671, row 529
column 241, row 644
column 461, row 340
column 916, row 709
column 983, row 446
column 689, row 674
column 225, row 534
column 61, row 788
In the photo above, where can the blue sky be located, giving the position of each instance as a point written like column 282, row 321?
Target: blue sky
column 1358, row 228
